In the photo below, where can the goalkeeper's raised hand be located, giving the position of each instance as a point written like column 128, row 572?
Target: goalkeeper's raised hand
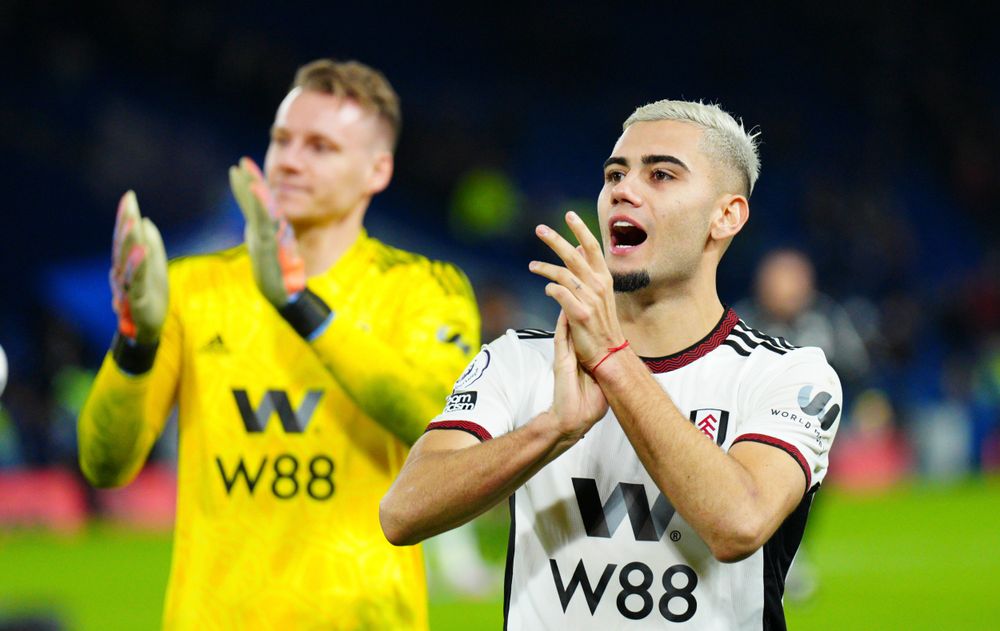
column 138, row 274
column 277, row 267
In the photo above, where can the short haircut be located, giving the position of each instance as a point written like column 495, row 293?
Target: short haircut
column 355, row 80
column 724, row 138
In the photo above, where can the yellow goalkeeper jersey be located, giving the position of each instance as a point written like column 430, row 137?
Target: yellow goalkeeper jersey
column 281, row 465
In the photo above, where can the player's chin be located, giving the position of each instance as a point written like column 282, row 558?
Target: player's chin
column 296, row 209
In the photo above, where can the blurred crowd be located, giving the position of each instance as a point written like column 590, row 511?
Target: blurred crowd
column 873, row 235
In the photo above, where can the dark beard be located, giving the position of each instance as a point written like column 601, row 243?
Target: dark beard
column 632, row 281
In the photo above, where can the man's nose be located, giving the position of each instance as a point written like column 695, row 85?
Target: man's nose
column 624, row 192
column 288, row 157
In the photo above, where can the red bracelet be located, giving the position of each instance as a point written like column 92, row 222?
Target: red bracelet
column 611, row 351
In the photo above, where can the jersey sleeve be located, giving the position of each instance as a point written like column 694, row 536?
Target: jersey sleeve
column 401, row 385
column 124, row 414
column 794, row 405
column 484, row 400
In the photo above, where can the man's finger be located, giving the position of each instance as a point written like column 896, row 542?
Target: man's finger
column 258, row 186
column 571, row 306
column 131, row 239
column 562, row 331
column 153, row 241
column 125, row 221
column 558, row 274
column 253, row 211
column 573, row 260
column 134, row 268
column 588, row 242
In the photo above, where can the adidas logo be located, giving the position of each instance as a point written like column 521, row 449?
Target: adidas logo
column 215, row 345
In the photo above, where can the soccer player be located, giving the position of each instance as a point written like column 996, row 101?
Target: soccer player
column 660, row 455
column 303, row 365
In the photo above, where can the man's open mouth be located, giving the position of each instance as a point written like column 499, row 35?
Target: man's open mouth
column 625, row 233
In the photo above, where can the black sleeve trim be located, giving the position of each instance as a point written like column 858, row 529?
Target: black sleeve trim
column 306, row 314
column 134, row 358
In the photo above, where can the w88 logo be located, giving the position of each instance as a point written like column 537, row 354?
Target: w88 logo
column 635, row 601
column 285, row 476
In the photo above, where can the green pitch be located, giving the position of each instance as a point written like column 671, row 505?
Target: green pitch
column 919, row 557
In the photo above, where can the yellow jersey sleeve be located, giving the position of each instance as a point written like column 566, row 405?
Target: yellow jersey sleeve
column 124, row 414
column 402, row 384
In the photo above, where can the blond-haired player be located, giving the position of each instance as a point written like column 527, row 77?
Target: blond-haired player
column 660, row 454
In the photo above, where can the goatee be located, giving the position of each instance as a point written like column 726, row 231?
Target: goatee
column 631, row 281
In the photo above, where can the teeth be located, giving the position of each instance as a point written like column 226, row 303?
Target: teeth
column 623, row 224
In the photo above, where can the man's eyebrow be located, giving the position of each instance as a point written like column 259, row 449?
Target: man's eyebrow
column 654, row 159
column 615, row 160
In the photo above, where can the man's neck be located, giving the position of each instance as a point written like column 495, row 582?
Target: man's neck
column 322, row 244
column 667, row 320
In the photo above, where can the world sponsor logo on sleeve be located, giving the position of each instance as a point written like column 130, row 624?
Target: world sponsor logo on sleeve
column 801, row 420
column 461, row 401
column 474, row 370
column 820, row 405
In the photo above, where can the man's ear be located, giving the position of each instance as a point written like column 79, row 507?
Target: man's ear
column 730, row 217
column 381, row 172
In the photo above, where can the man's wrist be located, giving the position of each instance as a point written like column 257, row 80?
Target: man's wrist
column 307, row 314
column 132, row 356
column 618, row 368
column 549, row 429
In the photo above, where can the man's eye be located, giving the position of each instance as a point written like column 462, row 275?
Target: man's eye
column 662, row 176
column 614, row 176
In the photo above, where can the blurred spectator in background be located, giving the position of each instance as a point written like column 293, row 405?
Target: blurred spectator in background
column 787, row 304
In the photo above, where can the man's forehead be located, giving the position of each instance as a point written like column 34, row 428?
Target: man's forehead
column 318, row 108
column 663, row 137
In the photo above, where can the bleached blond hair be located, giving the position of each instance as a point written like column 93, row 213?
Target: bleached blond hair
column 725, row 139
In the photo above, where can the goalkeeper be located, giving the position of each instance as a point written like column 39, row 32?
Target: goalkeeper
column 303, row 364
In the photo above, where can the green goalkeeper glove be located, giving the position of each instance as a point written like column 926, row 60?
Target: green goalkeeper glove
column 138, row 286
column 278, row 269
column 138, row 274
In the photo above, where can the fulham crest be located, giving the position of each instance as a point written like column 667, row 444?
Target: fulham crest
column 711, row 422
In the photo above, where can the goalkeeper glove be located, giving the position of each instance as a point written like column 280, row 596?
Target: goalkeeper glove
column 138, row 286
column 278, row 269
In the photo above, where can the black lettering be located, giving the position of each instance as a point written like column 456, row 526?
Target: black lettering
column 580, row 579
column 276, row 401
column 240, row 471
column 685, row 593
column 285, row 476
column 320, row 486
column 641, row 590
column 248, row 414
column 602, row 520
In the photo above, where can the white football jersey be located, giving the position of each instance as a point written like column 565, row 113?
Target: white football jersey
column 594, row 544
